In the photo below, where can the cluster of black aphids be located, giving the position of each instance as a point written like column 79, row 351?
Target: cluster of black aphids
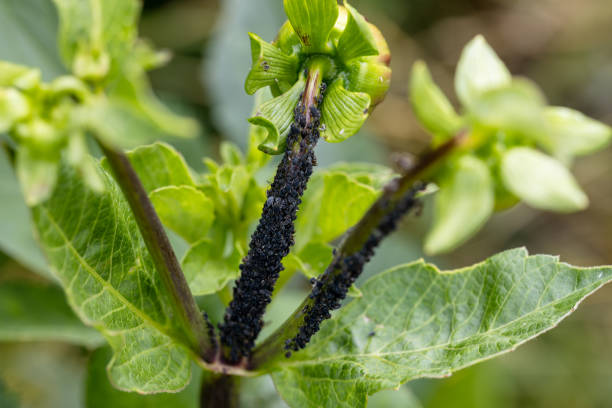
column 331, row 288
column 273, row 237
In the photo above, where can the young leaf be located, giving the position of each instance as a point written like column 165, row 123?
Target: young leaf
column 313, row 21
column 333, row 203
column 100, row 393
column 208, row 269
column 574, row 134
column 541, row 181
column 463, row 205
column 479, row 70
column 270, row 66
column 343, row 112
column 276, row 116
column 357, row 39
column 428, row 323
column 185, row 210
column 39, row 312
column 95, row 249
column 429, row 103
column 160, row 165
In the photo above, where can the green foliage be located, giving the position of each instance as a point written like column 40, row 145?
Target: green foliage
column 99, row 43
column 505, row 124
column 93, row 246
column 414, row 321
column 355, row 68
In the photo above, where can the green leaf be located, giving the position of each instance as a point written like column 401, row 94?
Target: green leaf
column 276, row 116
column 100, row 393
column 516, row 107
column 160, row 165
column 343, row 112
column 16, row 235
column 185, row 210
column 464, row 203
column 208, row 269
column 313, row 21
column 333, row 203
column 414, row 321
column 31, row 311
column 231, row 154
column 95, row 249
column 37, row 175
column 95, row 31
column 541, row 181
column 430, row 105
column 479, row 70
column 574, row 134
column 357, row 39
column 257, row 134
column 270, row 67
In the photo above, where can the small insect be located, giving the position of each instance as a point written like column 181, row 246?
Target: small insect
column 265, row 66
column 372, row 334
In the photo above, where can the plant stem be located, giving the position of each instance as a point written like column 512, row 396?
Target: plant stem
column 219, row 390
column 198, row 331
column 273, row 237
column 392, row 200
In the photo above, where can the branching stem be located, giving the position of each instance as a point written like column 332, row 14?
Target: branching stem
column 359, row 241
column 197, row 329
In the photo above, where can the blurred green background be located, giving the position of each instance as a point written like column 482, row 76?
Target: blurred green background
column 563, row 45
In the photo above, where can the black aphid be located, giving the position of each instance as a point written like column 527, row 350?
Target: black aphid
column 332, row 287
column 272, row 239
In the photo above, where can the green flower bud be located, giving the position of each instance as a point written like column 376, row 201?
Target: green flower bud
column 91, row 66
column 351, row 53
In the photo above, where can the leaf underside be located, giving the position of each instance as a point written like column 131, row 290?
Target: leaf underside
column 95, row 249
column 414, row 321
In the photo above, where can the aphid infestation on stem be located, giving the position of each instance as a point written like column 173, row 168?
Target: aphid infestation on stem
column 102, row 223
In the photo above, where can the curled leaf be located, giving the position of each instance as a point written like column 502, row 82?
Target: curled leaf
column 357, row 39
column 270, row 67
column 276, row 116
column 312, row 20
column 343, row 112
column 541, row 181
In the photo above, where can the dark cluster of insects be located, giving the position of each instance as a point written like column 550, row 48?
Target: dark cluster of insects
column 273, row 237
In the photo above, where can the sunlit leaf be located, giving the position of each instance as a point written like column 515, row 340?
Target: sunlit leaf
column 357, row 39
column 270, row 66
column 541, row 181
column 428, row 323
column 95, row 249
column 185, row 210
column 430, row 105
column 479, row 70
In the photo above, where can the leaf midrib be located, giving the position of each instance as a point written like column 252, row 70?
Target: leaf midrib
column 145, row 318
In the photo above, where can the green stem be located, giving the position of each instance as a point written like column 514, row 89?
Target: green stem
column 166, row 263
column 219, row 390
column 273, row 347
